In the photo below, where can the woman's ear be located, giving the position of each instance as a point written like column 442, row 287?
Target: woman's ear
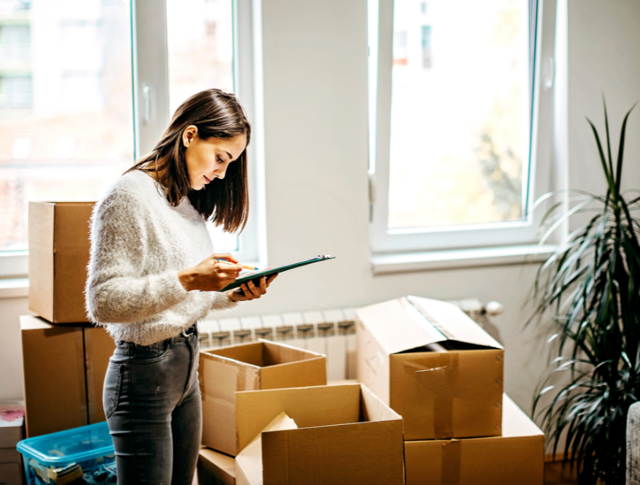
column 189, row 134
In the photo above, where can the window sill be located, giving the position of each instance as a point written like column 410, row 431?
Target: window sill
column 14, row 288
column 459, row 258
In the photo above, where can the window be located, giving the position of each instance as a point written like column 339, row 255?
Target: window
column 460, row 122
column 208, row 44
column 78, row 104
column 65, row 108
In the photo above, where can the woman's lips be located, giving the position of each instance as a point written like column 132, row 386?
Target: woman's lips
column 207, row 179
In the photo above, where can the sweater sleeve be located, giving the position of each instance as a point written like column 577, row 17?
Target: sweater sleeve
column 117, row 291
column 220, row 301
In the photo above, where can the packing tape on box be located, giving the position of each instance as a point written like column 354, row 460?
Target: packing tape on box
column 451, row 460
column 439, row 375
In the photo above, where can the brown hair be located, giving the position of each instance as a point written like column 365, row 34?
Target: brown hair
column 216, row 114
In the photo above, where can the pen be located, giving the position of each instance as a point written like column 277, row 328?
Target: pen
column 245, row 266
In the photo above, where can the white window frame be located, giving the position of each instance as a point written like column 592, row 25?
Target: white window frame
column 386, row 241
column 151, row 96
column 151, row 110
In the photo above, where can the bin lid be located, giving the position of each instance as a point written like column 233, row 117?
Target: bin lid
column 69, row 446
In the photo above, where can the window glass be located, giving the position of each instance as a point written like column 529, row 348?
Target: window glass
column 201, row 50
column 460, row 112
column 66, row 128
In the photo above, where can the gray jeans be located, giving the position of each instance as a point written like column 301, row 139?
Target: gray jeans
column 151, row 398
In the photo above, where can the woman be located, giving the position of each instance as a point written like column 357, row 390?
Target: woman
column 152, row 276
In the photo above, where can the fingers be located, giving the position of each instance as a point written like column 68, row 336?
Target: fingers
column 226, row 256
column 271, row 278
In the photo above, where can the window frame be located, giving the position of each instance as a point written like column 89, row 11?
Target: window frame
column 149, row 63
column 390, row 241
column 151, row 91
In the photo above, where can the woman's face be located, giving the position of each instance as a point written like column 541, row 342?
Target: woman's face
column 209, row 159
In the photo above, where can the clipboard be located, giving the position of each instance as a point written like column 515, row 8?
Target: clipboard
column 281, row 269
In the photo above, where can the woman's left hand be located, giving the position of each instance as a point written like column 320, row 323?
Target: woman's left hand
column 249, row 290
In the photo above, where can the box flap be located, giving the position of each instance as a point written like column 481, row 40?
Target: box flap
column 249, row 353
column 277, row 353
column 303, row 373
column 452, row 322
column 220, row 378
column 410, row 322
column 354, row 454
column 307, row 406
column 221, row 466
column 249, row 460
column 373, row 409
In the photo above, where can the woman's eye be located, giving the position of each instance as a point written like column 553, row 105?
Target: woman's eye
column 220, row 160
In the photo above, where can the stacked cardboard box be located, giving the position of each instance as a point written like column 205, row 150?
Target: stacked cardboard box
column 258, row 407
column 11, row 431
column 437, row 368
column 64, row 357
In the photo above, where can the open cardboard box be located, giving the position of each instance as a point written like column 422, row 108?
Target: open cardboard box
column 58, row 258
column 516, row 457
column 342, row 434
column 454, row 391
column 246, row 367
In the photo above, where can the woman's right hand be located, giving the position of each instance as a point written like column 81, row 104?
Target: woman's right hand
column 211, row 274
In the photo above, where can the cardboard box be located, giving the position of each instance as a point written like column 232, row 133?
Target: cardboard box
column 249, row 466
column 98, row 349
column 11, row 473
column 64, row 369
column 344, row 434
column 216, row 468
column 245, row 367
column 516, row 457
column 54, row 387
column 455, row 393
column 58, row 259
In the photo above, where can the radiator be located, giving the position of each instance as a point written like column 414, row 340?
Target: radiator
column 330, row 332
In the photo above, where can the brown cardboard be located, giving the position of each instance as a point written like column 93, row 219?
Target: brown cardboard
column 216, row 468
column 249, row 460
column 516, row 457
column 9, row 455
column 11, row 474
column 58, row 258
column 449, row 394
column 98, row 349
column 64, row 369
column 251, row 366
column 54, row 381
column 345, row 434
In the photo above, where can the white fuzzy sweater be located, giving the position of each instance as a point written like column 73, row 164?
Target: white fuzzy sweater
column 139, row 242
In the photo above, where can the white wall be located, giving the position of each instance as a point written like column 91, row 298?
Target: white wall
column 316, row 169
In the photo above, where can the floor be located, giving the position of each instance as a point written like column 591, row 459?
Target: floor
column 553, row 475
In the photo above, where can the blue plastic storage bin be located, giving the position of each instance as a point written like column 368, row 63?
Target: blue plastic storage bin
column 78, row 456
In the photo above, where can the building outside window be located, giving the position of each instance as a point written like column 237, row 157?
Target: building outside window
column 66, row 107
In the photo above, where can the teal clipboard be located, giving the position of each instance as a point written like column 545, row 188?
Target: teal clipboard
column 281, row 269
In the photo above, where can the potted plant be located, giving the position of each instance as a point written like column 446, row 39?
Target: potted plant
column 591, row 287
